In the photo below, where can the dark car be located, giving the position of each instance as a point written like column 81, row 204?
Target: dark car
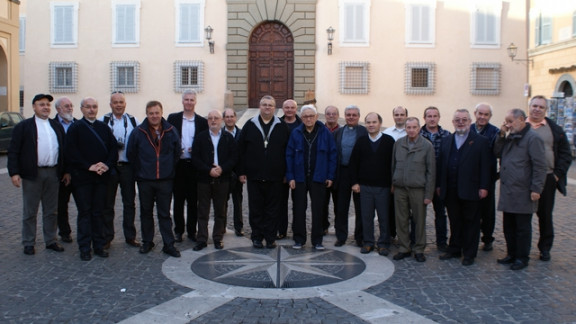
column 8, row 120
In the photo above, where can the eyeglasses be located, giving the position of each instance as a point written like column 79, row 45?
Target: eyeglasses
column 460, row 120
column 89, row 106
column 115, row 92
column 307, row 116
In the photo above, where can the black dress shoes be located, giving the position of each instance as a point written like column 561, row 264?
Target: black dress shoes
column 29, row 250
column 199, row 246
column 488, row 247
column 101, row 253
column 339, row 243
column 218, row 245
column 239, row 232
column 280, row 236
column 178, row 238
column 171, row 251
column 366, row 249
column 468, row 261
column 506, row 260
column 545, row 256
column 55, row 247
column 420, row 257
column 519, row 265
column 133, row 242
column 66, row 238
column 270, row 245
column 146, row 247
column 449, row 255
column 401, row 255
column 85, row 256
column 257, row 244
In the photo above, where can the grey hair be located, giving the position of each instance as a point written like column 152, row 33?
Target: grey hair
column 517, row 113
column 351, row 107
column 189, row 92
column 308, row 107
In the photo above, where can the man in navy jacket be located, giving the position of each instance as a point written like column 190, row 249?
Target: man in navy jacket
column 311, row 158
column 154, row 149
column 463, row 176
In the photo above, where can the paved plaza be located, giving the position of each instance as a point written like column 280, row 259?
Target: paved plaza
column 338, row 285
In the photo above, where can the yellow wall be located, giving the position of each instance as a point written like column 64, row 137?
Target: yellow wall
column 9, row 45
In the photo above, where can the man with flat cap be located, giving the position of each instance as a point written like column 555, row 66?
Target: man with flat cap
column 35, row 164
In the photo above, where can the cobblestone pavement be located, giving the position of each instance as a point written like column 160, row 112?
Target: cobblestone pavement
column 52, row 287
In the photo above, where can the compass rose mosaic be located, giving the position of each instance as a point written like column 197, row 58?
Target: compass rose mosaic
column 282, row 267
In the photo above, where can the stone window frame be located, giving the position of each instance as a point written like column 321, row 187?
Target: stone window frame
column 364, row 78
column 495, row 79
column 63, row 77
column 179, row 87
column 131, row 84
column 409, row 71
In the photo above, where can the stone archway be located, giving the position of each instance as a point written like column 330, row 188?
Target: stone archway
column 566, row 85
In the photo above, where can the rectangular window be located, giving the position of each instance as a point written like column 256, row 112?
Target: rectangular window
column 355, row 18
column 63, row 77
column 64, row 24
column 420, row 22
column 189, row 22
column 419, row 78
column 354, row 77
column 543, row 29
column 574, row 24
column 485, row 79
column 125, row 76
column 22, row 35
column 126, row 28
column 485, row 23
column 188, row 75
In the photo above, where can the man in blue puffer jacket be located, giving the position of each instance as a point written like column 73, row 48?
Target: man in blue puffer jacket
column 311, row 159
column 154, row 149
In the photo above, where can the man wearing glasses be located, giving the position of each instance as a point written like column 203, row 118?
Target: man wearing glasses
column 91, row 153
column 463, row 176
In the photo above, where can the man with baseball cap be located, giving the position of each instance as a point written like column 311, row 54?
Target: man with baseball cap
column 35, row 164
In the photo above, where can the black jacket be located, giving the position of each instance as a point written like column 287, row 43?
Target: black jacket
column 203, row 155
column 23, row 153
column 258, row 162
column 200, row 123
column 562, row 155
column 371, row 168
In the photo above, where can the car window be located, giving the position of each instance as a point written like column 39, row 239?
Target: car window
column 16, row 118
column 5, row 120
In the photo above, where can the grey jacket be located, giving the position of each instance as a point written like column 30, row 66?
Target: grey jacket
column 522, row 170
column 414, row 167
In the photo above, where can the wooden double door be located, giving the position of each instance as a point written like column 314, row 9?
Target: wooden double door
column 271, row 63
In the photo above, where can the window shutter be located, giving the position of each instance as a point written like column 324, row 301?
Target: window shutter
column 63, row 23
column 189, row 20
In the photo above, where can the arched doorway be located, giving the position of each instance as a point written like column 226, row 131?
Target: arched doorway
column 566, row 87
column 271, row 63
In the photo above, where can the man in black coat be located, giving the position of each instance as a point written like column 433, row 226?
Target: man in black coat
column 189, row 124
column 214, row 155
column 463, row 179
column 91, row 152
column 35, row 163
column 236, row 187
column 262, row 165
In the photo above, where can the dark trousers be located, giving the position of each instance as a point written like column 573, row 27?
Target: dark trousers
column 185, row 192
column 332, row 191
column 341, row 219
column 124, row 177
column 90, row 198
column 488, row 215
column 440, row 220
column 264, row 207
column 64, row 193
column 518, row 235
column 159, row 191
column 300, row 204
column 464, row 224
column 283, row 216
column 236, row 191
column 375, row 199
column 217, row 192
column 545, row 208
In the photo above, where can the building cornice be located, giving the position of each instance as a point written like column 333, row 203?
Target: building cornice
column 552, row 48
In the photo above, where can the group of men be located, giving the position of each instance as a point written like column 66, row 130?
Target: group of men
column 195, row 160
